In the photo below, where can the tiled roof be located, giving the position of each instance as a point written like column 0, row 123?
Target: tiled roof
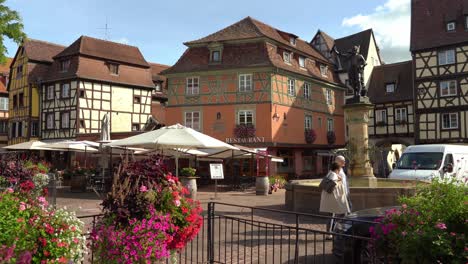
column 156, row 70
column 327, row 38
column 361, row 39
column 104, row 49
column 429, row 20
column 42, row 51
column 255, row 53
column 249, row 28
column 399, row 73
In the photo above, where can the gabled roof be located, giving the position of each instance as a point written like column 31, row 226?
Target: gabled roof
column 106, row 50
column 250, row 28
column 429, row 20
column 329, row 41
column 361, row 39
column 156, row 70
column 41, row 51
column 399, row 73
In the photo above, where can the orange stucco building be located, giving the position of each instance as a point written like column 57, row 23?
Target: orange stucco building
column 254, row 85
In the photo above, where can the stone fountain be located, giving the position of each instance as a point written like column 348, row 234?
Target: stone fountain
column 366, row 191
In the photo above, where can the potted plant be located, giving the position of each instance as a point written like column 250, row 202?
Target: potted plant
column 244, row 131
column 189, row 180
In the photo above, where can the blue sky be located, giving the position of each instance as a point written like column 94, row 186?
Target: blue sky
column 159, row 28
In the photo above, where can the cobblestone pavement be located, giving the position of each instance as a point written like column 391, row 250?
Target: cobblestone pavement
column 269, row 238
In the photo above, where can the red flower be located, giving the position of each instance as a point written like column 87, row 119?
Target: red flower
column 27, row 186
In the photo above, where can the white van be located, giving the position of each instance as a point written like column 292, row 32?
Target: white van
column 425, row 162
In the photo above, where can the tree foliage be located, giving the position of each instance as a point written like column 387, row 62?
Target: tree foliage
column 11, row 26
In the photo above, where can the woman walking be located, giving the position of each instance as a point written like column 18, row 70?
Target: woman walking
column 335, row 202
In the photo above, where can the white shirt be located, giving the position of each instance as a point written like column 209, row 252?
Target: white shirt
column 345, row 181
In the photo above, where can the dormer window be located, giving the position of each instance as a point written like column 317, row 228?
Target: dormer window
column 302, row 61
column 292, row 40
column 287, row 57
column 451, row 26
column 114, row 68
column 324, row 70
column 215, row 56
column 64, row 65
column 157, row 87
column 390, row 87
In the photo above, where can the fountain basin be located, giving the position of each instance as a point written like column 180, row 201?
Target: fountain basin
column 304, row 195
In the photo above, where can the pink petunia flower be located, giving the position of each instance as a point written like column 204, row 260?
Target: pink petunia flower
column 9, row 190
column 177, row 202
column 143, row 188
column 441, row 226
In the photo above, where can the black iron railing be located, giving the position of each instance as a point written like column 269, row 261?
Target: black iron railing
column 247, row 234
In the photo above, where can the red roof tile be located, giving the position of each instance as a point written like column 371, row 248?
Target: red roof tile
column 156, row 70
column 104, row 49
column 399, row 73
column 41, row 51
column 429, row 20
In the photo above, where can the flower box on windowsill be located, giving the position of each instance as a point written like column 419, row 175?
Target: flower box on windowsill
column 310, row 136
column 381, row 123
column 331, row 137
column 244, row 131
column 401, row 122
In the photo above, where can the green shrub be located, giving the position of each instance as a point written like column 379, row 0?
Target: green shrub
column 188, row 172
column 430, row 227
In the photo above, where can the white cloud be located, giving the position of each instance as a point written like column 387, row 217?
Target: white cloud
column 391, row 25
column 122, row 40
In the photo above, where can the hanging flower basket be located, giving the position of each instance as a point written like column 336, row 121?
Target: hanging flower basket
column 331, row 137
column 310, row 135
column 244, row 131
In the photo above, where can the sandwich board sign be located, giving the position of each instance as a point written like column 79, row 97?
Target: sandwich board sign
column 216, row 171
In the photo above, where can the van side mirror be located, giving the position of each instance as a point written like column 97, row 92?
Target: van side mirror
column 448, row 168
column 393, row 165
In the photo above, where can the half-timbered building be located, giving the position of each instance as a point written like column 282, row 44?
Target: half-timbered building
column 28, row 68
column 255, row 85
column 158, row 97
column 89, row 79
column 4, row 74
column 391, row 122
column 439, row 47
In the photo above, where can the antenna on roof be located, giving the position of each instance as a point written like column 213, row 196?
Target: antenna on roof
column 106, row 29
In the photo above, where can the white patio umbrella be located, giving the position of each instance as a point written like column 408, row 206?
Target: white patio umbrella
column 75, row 146
column 173, row 137
column 30, row 145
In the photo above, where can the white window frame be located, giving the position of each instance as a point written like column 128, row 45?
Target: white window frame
column 50, row 92
column 307, row 90
column 446, row 89
column 308, row 122
column 401, row 114
column 324, row 70
column 36, row 124
column 4, row 103
column 452, row 125
column 245, row 82
column 292, row 40
column 329, row 96
column 62, row 94
column 292, row 87
column 50, row 120
column 381, row 116
column 330, row 125
column 390, row 85
column 65, row 120
column 451, row 26
column 212, row 59
column 446, row 57
column 189, row 117
column 190, row 87
column 302, row 61
column 287, row 57
column 245, row 114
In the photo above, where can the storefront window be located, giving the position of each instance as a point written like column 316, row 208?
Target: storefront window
column 288, row 161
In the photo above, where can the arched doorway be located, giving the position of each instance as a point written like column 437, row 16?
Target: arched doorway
column 385, row 152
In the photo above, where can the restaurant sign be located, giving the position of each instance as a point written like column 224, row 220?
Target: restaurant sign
column 245, row 140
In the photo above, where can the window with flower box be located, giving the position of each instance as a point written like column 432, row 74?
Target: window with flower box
column 400, row 115
column 245, row 117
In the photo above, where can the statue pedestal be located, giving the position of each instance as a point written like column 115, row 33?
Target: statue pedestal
column 357, row 118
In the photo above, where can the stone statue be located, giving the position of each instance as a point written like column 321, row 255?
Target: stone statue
column 355, row 70
column 105, row 129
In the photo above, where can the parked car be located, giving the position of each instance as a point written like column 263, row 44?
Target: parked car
column 426, row 162
column 348, row 247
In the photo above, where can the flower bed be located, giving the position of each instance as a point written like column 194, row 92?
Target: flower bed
column 146, row 216
column 430, row 227
column 32, row 232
